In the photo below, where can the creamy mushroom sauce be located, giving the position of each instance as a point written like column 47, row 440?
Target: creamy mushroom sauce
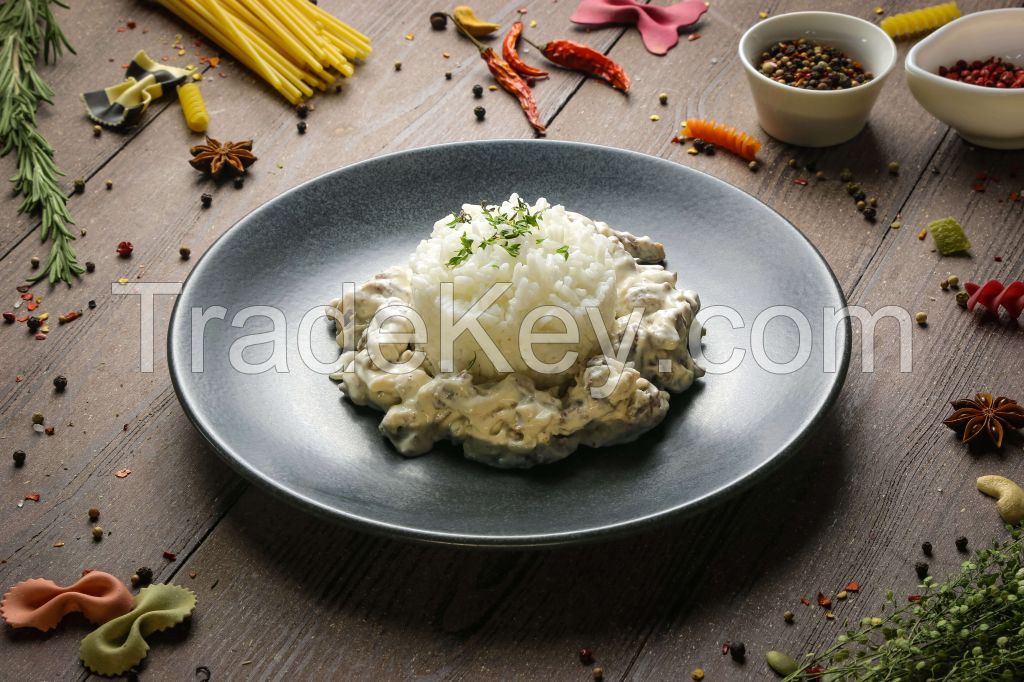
column 511, row 423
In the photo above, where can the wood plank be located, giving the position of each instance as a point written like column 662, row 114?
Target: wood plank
column 381, row 109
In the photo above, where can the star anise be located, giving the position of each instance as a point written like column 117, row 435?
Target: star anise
column 985, row 415
column 220, row 158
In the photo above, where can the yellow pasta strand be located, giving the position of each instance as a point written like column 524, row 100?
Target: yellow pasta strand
column 293, row 45
column 920, row 21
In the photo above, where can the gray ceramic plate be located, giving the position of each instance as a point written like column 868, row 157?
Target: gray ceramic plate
column 295, row 434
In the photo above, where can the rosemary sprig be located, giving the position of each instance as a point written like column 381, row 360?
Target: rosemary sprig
column 28, row 27
column 969, row 627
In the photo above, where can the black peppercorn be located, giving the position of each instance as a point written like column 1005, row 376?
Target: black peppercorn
column 92, row 304
column 301, row 127
column 738, row 651
column 239, row 182
column 60, row 382
column 870, row 213
column 90, row 266
column 34, row 323
column 145, row 575
column 926, row 548
column 859, row 196
column 302, row 110
column 961, row 544
column 206, row 200
column 478, row 91
column 846, row 175
column 34, row 262
column 185, row 252
column 447, row 75
column 709, row 149
column 480, row 113
column 922, row 570
column 19, row 458
column 438, row 21
column 78, row 185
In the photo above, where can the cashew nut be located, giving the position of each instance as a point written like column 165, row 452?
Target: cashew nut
column 1009, row 496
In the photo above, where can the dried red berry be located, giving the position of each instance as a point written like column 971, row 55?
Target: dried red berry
column 124, row 249
column 586, row 656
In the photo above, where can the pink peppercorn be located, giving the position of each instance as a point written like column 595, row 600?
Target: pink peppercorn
column 991, row 73
column 124, row 249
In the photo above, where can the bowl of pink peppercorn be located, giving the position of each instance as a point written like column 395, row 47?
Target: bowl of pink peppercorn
column 970, row 75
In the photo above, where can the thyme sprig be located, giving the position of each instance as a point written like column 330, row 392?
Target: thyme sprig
column 969, row 627
column 28, row 28
column 508, row 231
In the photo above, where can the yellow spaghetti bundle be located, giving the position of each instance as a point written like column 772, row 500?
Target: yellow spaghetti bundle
column 291, row 44
column 920, row 20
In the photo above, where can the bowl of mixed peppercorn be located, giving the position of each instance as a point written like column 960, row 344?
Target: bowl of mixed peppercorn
column 815, row 75
column 970, row 75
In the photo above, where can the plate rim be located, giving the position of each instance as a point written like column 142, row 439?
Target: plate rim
column 593, row 534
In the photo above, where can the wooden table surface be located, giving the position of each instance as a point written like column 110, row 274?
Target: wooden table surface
column 285, row 596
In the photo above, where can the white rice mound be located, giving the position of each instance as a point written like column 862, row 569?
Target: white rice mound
column 540, row 276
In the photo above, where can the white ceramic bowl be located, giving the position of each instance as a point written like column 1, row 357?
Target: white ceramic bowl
column 816, row 118
column 988, row 117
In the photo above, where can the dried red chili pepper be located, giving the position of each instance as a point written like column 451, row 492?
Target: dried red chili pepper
column 508, row 79
column 513, row 83
column 511, row 54
column 586, row 60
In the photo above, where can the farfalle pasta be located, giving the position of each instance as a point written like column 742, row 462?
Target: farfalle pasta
column 41, row 604
column 120, row 643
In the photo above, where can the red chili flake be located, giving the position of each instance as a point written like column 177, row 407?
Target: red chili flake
column 18, row 379
column 131, row 24
column 50, row 430
column 125, row 428
column 31, row 306
column 978, row 187
column 214, row 62
column 123, row 473
column 674, row 140
column 725, row 647
column 125, row 65
column 121, row 29
column 170, row 556
column 9, row 317
column 124, row 249
column 693, row 36
column 824, row 601
column 1014, row 196
column 998, row 259
column 805, row 601
column 800, row 181
column 853, row 586
column 69, row 316
column 914, row 598
column 815, row 670
column 40, row 337
column 26, row 297
column 34, row 497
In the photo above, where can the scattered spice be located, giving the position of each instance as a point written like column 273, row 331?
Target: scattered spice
column 92, row 304
column 221, row 158
column 97, row 533
column 398, row 66
column 478, row 91
column 145, row 575
column 894, row 167
column 961, row 543
column 853, row 586
column 50, row 430
column 170, row 556
column 663, row 98
column 90, row 266
column 738, row 651
column 921, row 568
column 586, row 655
column 78, row 185
column 123, row 473
column 34, row 497
column 38, row 418
column 921, row 318
column 97, row 130
column 301, row 127
column 71, row 315
column 984, row 414
column 19, row 458
column 480, row 113
column 788, row 616
column 9, row 317
column 810, row 65
column 842, row 594
column 185, row 252
column 805, row 601
column 655, row 118
column 926, row 548
column 94, row 514
column 597, row 673
column 753, row 166
column 302, row 111
column 206, row 199
column 34, row 262
column 438, row 21
column 697, row 674
column 510, row 51
column 824, row 601
column 124, row 249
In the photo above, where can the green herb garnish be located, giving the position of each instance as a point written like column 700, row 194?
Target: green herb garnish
column 464, row 253
column 508, row 230
column 969, row 627
column 564, row 250
column 28, row 28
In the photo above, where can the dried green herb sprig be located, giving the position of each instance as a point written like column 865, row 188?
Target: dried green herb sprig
column 28, row 28
column 508, row 229
column 969, row 627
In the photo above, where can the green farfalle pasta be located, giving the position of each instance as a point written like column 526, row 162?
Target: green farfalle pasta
column 120, row 643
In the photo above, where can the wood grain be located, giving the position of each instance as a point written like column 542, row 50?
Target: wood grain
column 283, row 595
